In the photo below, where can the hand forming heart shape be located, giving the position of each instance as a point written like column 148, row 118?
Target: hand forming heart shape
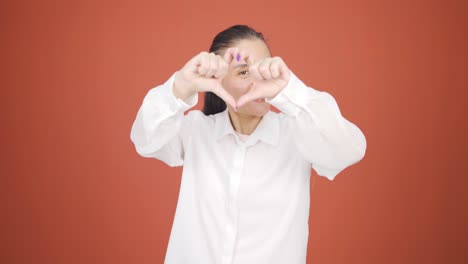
column 205, row 72
column 269, row 76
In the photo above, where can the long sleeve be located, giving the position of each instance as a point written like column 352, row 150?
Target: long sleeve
column 160, row 125
column 322, row 135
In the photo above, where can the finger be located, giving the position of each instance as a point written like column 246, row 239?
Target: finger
column 250, row 95
column 264, row 69
column 275, row 68
column 223, row 94
column 230, row 55
column 284, row 70
column 222, row 68
column 241, row 56
column 204, row 65
column 253, row 71
column 250, row 59
column 213, row 65
column 236, row 55
column 246, row 57
column 193, row 64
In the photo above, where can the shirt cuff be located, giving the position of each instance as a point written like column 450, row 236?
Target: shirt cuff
column 292, row 98
column 177, row 104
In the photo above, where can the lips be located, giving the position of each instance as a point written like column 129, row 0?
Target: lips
column 261, row 100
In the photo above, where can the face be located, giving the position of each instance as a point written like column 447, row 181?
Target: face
column 237, row 79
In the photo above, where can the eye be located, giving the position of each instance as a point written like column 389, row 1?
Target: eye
column 244, row 72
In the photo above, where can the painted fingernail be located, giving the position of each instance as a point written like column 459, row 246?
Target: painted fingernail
column 238, row 57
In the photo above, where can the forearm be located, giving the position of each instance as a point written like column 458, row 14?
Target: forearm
column 322, row 135
column 181, row 89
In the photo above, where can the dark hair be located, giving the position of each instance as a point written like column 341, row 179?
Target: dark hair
column 214, row 104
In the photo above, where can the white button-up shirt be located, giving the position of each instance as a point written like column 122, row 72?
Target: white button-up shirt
column 245, row 202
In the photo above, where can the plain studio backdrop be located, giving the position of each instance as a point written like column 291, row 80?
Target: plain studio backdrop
column 74, row 73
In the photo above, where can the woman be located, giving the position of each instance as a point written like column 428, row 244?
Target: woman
column 244, row 194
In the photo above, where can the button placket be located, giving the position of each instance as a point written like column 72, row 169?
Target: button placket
column 231, row 225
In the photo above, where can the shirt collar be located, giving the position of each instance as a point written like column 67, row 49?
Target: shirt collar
column 267, row 130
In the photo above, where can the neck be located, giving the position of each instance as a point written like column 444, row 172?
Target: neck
column 244, row 123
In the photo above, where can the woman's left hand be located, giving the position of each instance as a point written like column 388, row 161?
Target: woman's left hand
column 269, row 76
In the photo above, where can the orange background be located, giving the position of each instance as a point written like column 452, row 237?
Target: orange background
column 74, row 190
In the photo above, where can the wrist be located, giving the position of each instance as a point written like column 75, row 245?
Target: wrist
column 181, row 88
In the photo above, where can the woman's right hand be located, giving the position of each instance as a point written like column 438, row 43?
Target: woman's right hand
column 205, row 72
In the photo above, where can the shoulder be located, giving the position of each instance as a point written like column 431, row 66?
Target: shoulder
column 283, row 121
column 197, row 117
column 282, row 118
column 196, row 124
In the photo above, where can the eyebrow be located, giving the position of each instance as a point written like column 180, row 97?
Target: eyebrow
column 240, row 65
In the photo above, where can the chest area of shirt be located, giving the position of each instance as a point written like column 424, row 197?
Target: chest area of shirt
column 258, row 163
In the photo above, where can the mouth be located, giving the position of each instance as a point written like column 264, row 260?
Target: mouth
column 260, row 100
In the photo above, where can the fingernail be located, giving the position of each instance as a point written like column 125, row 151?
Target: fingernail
column 238, row 57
